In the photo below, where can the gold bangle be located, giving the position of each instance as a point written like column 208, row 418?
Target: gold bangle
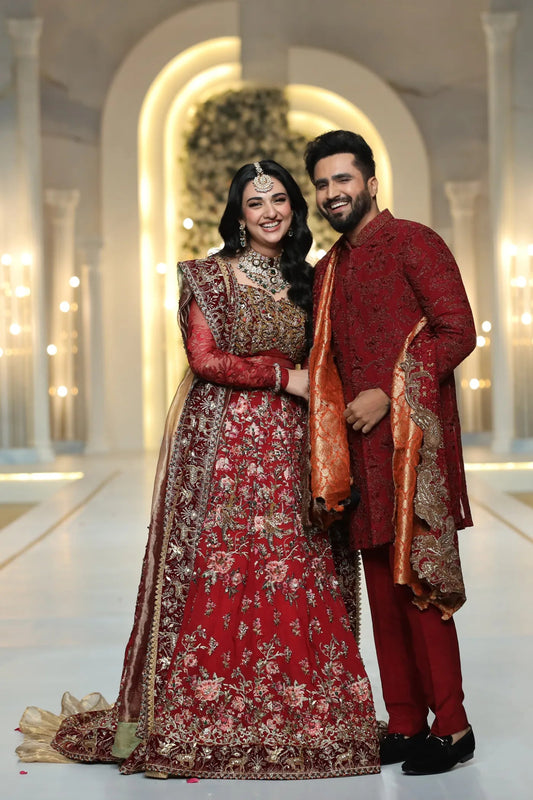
column 277, row 385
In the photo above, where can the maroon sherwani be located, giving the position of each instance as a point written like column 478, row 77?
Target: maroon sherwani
column 396, row 273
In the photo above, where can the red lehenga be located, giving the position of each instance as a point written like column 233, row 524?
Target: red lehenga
column 242, row 661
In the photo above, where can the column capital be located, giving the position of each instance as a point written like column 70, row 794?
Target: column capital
column 25, row 35
column 63, row 202
column 63, row 198
column 499, row 27
column 462, row 196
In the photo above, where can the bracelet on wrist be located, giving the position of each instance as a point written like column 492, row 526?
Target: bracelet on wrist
column 277, row 385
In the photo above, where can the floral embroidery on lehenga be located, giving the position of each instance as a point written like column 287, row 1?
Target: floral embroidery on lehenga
column 254, row 669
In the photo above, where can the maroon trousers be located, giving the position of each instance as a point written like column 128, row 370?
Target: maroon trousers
column 418, row 654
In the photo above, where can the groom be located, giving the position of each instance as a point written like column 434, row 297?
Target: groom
column 392, row 321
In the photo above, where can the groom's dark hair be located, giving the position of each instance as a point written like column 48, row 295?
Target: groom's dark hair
column 333, row 142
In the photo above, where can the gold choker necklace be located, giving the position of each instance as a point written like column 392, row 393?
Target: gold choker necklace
column 262, row 270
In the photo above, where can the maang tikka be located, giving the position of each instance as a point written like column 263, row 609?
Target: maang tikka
column 262, row 182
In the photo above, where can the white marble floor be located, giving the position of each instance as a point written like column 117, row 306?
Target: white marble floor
column 68, row 574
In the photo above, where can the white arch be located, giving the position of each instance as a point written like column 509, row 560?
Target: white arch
column 145, row 90
column 381, row 106
column 121, row 278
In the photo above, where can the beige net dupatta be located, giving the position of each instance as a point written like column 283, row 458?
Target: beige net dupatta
column 39, row 727
column 171, row 424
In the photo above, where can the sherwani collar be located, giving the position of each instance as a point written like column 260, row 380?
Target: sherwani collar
column 370, row 229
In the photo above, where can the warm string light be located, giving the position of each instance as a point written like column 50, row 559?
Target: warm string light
column 15, row 290
column 475, row 384
column 520, row 260
column 68, row 334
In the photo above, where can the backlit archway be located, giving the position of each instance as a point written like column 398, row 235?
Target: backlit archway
column 187, row 59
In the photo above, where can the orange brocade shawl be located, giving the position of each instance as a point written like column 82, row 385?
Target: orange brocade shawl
column 426, row 555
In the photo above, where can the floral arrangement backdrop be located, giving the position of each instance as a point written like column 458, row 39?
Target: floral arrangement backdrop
column 228, row 130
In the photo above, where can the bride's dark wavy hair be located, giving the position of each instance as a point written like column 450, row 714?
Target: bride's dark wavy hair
column 294, row 268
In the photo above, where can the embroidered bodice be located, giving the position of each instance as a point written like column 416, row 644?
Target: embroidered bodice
column 265, row 331
column 264, row 323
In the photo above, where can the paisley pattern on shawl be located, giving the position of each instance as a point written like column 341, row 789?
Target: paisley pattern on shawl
column 242, row 661
column 426, row 552
column 394, row 273
column 330, row 457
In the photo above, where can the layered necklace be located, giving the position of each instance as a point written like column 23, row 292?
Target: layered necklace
column 262, row 270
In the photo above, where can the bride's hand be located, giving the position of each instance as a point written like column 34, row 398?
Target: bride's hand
column 298, row 383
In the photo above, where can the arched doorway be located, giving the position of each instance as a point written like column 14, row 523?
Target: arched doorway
column 182, row 62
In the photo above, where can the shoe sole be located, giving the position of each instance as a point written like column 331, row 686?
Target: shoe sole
column 461, row 760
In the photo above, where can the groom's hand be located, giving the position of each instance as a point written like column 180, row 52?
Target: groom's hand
column 367, row 409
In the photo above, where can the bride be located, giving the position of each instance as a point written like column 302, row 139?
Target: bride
column 242, row 661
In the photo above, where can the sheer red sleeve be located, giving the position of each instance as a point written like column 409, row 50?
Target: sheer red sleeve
column 217, row 366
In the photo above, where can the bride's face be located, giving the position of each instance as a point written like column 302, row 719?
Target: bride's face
column 267, row 216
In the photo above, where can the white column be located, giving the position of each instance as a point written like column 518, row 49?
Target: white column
column 462, row 197
column 499, row 29
column 93, row 348
column 62, row 204
column 25, row 35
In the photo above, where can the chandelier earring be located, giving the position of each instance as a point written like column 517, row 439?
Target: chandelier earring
column 242, row 234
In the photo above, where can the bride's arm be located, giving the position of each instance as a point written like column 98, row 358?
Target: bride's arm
column 218, row 366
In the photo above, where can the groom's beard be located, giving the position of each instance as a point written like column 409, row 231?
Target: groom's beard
column 361, row 205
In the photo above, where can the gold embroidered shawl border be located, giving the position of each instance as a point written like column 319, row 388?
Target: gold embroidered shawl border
column 426, row 554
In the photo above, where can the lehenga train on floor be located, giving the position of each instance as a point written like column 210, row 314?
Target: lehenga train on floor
column 242, row 661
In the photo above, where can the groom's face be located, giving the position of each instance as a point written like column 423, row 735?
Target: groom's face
column 342, row 195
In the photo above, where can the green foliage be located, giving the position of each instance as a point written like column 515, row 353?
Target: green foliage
column 227, row 131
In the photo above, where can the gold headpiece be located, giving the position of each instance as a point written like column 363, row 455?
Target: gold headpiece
column 262, row 182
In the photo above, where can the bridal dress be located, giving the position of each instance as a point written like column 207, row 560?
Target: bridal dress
column 243, row 660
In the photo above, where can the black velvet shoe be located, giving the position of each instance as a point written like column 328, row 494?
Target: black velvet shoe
column 395, row 747
column 438, row 754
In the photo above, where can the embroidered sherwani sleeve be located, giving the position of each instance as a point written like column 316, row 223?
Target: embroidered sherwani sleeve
column 217, row 366
column 436, row 281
